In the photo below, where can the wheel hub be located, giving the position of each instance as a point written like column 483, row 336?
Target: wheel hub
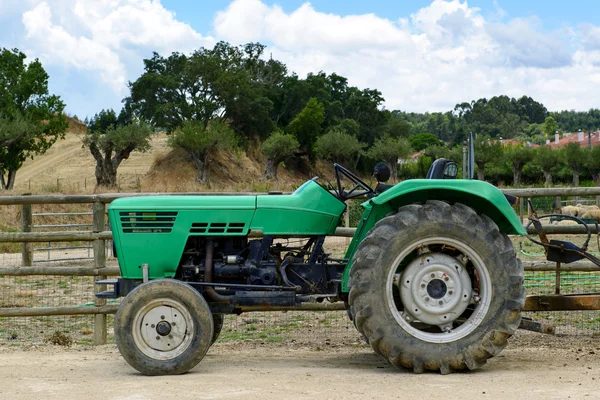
column 163, row 328
column 435, row 288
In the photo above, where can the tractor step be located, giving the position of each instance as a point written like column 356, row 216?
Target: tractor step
column 108, row 294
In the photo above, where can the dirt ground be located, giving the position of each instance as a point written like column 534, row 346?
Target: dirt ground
column 533, row 367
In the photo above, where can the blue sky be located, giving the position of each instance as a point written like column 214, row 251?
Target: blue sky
column 423, row 55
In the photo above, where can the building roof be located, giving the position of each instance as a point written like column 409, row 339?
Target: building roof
column 580, row 137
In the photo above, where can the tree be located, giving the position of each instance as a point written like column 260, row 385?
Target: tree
column 575, row 158
column 224, row 82
column 278, row 147
column 550, row 127
column 396, row 127
column 111, row 140
column 423, row 140
column 201, row 142
column 390, row 150
column 518, row 155
column 339, row 146
column 486, row 151
column 436, row 151
column 592, row 162
column 32, row 118
column 547, row 159
column 306, row 126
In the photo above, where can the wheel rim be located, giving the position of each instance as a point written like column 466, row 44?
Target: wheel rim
column 435, row 290
column 162, row 329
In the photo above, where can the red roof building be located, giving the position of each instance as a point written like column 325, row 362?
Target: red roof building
column 582, row 138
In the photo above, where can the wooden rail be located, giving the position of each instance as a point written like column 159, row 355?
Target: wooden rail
column 99, row 235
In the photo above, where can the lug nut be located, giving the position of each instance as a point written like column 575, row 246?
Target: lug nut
column 173, row 323
column 422, row 285
column 433, row 275
column 441, row 302
column 152, row 326
column 162, row 317
column 446, row 279
column 450, row 292
column 158, row 338
column 426, row 298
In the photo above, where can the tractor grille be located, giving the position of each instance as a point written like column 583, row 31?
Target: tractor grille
column 217, row 227
column 147, row 221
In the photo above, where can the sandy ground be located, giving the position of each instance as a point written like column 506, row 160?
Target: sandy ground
column 534, row 367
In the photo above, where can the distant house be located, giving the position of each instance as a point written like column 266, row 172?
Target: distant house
column 584, row 139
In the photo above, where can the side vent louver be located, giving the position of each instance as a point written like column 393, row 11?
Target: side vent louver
column 147, row 221
column 217, row 227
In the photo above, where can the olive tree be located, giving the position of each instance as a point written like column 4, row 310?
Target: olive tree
column 339, row 146
column 518, row 155
column 278, row 147
column 201, row 143
column 547, row 159
column 112, row 140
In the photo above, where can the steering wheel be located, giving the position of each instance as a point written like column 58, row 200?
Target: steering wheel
column 358, row 184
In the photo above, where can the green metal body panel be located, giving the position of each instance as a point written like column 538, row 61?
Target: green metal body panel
column 154, row 230
column 481, row 196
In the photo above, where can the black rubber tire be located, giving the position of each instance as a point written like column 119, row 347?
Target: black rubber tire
column 200, row 336
column 218, row 326
column 375, row 257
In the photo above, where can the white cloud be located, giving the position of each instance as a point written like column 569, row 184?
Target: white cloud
column 445, row 53
column 106, row 36
column 442, row 54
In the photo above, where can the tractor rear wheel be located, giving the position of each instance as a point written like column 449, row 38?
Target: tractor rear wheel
column 436, row 287
column 163, row 327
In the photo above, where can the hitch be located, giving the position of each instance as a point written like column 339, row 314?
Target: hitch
column 561, row 251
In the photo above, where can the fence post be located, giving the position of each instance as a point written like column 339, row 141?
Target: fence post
column 26, row 226
column 99, row 262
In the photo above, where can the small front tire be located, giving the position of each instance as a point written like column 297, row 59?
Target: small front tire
column 163, row 327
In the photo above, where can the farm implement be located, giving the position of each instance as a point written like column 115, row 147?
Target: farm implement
column 430, row 279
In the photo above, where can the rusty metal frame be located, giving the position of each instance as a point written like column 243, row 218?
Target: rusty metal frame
column 570, row 302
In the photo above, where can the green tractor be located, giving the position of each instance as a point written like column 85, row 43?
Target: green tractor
column 430, row 279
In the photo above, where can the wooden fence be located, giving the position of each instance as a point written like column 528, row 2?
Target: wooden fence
column 99, row 235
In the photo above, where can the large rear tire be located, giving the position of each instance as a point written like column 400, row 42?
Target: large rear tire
column 163, row 327
column 436, row 287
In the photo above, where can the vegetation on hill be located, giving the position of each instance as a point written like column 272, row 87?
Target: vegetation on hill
column 234, row 98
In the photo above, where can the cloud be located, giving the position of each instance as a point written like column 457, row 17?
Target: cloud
column 444, row 53
column 109, row 37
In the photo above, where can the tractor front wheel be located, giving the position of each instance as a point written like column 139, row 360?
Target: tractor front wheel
column 436, row 287
column 163, row 327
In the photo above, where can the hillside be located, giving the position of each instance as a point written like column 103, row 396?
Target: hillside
column 69, row 168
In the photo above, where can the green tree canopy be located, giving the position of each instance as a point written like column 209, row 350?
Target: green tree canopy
column 592, row 162
column 548, row 159
column 550, row 127
column 278, row 147
column 486, row 151
column 200, row 142
column 423, row 140
column 225, row 82
column 517, row 155
column 306, row 127
column 575, row 158
column 339, row 146
column 31, row 118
